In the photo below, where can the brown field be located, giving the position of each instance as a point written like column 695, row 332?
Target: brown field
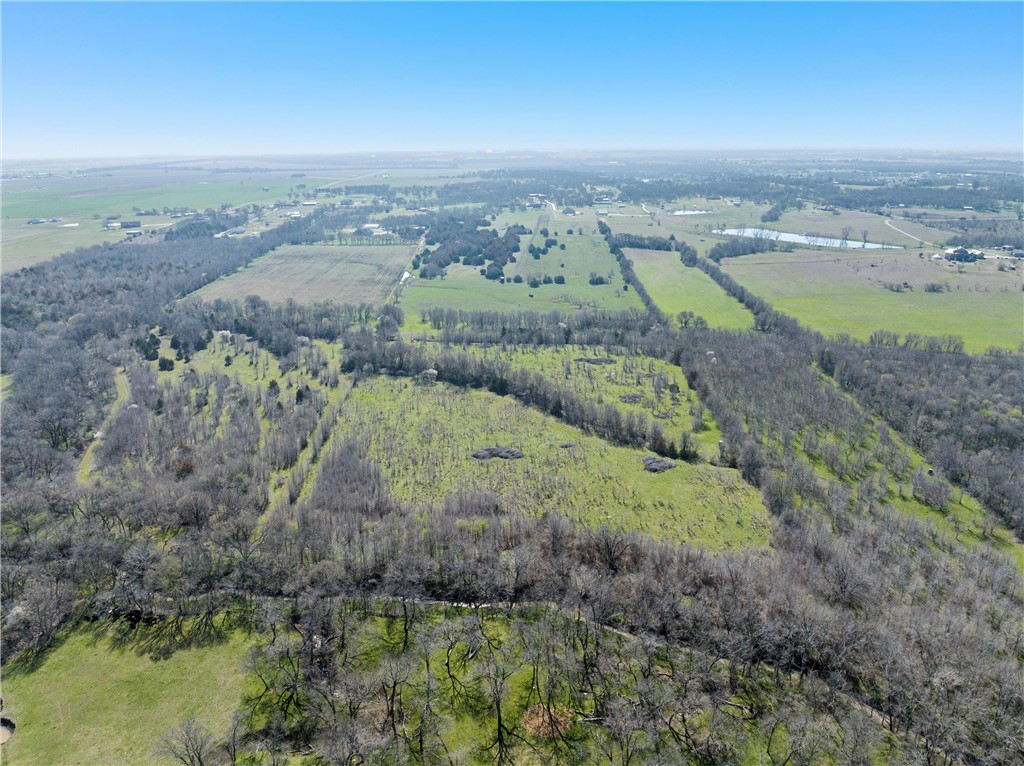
column 307, row 273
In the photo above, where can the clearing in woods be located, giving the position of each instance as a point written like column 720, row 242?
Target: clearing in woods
column 423, row 437
column 101, row 698
column 308, row 273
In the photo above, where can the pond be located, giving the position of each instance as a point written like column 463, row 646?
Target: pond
column 802, row 239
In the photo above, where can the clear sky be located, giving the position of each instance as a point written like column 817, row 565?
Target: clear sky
column 133, row 79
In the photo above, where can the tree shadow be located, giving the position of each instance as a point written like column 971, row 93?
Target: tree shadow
column 161, row 638
column 30, row 660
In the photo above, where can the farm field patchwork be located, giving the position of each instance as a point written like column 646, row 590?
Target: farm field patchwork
column 676, row 288
column 845, row 293
column 87, row 196
column 308, row 273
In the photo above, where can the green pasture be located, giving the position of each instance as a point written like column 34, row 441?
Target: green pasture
column 878, row 228
column 104, row 698
column 94, row 196
column 423, row 437
column 837, row 292
column 24, row 244
column 686, row 227
column 308, row 273
column 630, row 376
column 676, row 288
column 464, row 288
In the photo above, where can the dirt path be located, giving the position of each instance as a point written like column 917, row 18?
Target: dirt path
column 906, row 234
column 123, row 392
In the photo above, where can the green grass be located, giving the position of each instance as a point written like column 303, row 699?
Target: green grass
column 308, row 273
column 120, row 195
column 689, row 228
column 676, row 288
column 92, row 703
column 836, row 292
column 26, row 244
column 423, row 438
column 810, row 220
column 606, row 384
column 464, row 287
column 85, row 466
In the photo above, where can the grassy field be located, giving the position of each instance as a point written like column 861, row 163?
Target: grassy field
column 424, row 436
column 650, row 379
column 93, row 701
column 836, row 292
column 812, row 221
column 85, row 197
column 464, row 288
column 23, row 244
column 690, row 228
column 307, row 273
column 723, row 214
column 676, row 288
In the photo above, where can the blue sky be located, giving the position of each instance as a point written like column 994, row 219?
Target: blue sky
column 133, row 79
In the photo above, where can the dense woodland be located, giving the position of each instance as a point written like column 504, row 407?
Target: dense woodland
column 863, row 633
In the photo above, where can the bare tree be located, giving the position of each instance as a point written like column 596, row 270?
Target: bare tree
column 190, row 743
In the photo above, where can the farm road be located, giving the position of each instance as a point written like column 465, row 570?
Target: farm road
column 923, row 242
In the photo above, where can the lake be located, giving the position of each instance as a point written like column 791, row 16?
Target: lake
column 802, row 239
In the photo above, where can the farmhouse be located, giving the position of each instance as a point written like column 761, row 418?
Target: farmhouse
column 963, row 254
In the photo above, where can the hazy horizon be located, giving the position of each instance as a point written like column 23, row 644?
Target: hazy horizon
column 133, row 80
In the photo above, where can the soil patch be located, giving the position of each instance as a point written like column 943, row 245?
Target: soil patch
column 658, row 464
column 544, row 725
column 631, row 398
column 595, row 360
column 505, row 453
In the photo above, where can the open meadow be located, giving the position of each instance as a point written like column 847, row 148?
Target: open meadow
column 836, row 292
column 675, row 288
column 103, row 697
column 25, row 244
column 424, row 437
column 308, row 273
column 465, row 288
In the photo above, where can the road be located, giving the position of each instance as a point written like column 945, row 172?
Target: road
column 905, row 234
